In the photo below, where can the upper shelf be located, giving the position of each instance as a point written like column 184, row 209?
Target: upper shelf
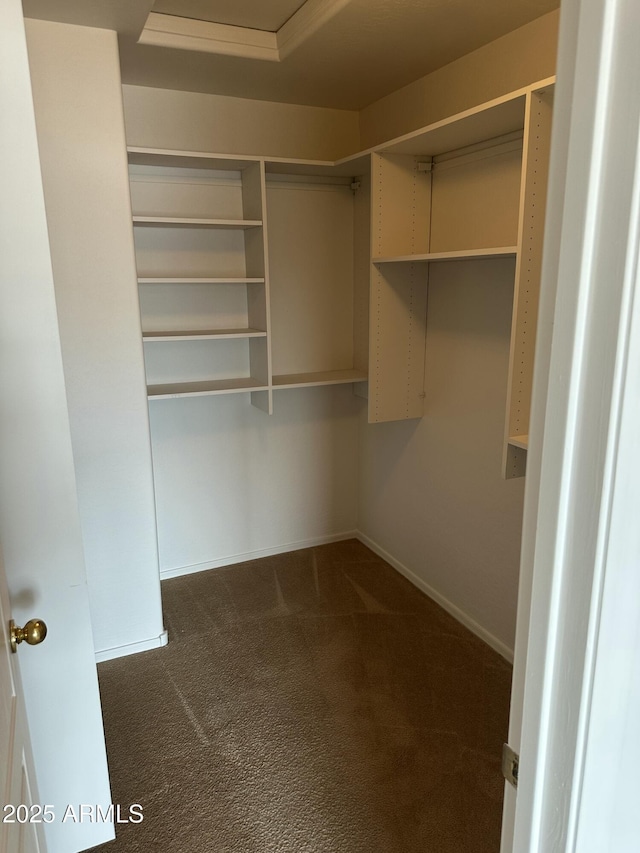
column 203, row 334
column 310, row 380
column 184, row 222
column 187, row 159
column 464, row 255
column 182, row 280
column 488, row 121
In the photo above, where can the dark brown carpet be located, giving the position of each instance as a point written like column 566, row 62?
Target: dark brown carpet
column 313, row 702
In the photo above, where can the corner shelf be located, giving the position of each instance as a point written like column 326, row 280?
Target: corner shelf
column 184, row 222
column 204, row 389
column 311, row 380
column 460, row 255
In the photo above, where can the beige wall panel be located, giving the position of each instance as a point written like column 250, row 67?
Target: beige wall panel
column 189, row 252
column 252, row 192
column 397, row 340
column 186, row 193
column 196, row 361
column 515, row 60
column 311, row 276
column 188, row 121
column 169, row 307
column 232, row 481
column 431, row 491
column 474, row 203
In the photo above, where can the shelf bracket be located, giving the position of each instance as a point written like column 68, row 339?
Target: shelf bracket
column 355, row 185
column 425, row 166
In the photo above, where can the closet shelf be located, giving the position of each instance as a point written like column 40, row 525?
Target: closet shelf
column 461, row 255
column 183, row 222
column 179, row 280
column 486, row 121
column 203, row 334
column 327, row 377
column 521, row 441
column 206, row 388
column 187, row 159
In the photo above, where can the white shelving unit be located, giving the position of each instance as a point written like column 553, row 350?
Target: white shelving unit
column 204, row 285
column 334, row 291
column 178, row 195
column 467, row 189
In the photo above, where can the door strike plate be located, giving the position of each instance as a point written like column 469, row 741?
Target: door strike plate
column 510, row 764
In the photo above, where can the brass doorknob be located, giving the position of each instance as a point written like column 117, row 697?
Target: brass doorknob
column 33, row 633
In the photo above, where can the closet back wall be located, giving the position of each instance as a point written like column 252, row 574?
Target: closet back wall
column 190, row 121
column 234, row 483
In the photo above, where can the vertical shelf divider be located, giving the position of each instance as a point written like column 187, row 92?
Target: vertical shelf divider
column 400, row 225
column 533, row 197
column 254, row 203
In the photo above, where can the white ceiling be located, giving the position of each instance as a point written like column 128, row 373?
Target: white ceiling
column 267, row 15
column 363, row 50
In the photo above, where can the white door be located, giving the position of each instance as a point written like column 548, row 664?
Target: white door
column 18, row 794
column 39, row 524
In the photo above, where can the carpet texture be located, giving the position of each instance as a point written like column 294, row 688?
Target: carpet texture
column 312, row 702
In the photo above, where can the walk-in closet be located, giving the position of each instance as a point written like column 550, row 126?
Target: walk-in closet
column 297, row 338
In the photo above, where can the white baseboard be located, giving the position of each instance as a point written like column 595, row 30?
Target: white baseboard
column 255, row 555
column 454, row 611
column 132, row 648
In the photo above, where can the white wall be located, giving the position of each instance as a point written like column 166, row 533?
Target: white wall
column 232, row 481
column 430, row 491
column 78, row 104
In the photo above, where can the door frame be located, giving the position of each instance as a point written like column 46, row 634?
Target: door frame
column 576, row 686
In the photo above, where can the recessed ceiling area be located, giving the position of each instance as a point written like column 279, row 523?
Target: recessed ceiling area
column 268, row 15
column 343, row 54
